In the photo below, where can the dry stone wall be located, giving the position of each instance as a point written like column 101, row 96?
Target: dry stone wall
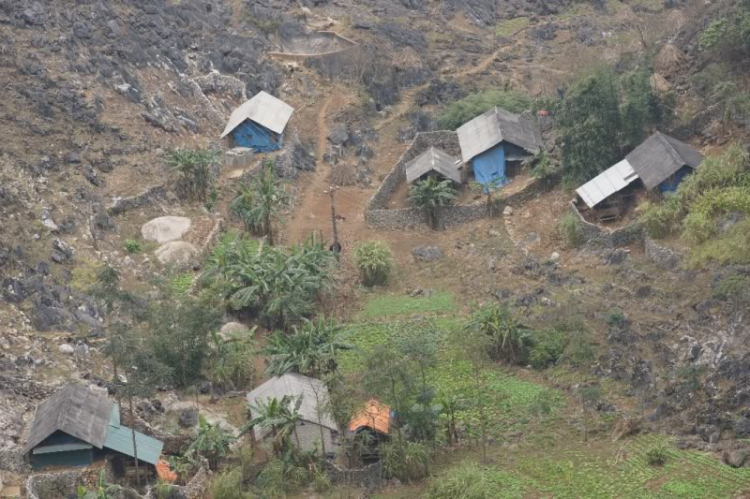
column 368, row 477
column 379, row 216
column 596, row 235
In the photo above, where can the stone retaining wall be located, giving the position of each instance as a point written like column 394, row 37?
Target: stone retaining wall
column 121, row 205
column 379, row 216
column 663, row 257
column 599, row 236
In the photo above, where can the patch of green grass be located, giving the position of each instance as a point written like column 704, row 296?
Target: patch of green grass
column 473, row 481
column 84, row 274
column 731, row 247
column 180, row 283
column 394, row 305
column 509, row 27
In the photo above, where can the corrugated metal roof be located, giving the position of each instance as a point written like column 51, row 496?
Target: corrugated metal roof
column 296, row 385
column 375, row 415
column 434, row 160
column 264, row 109
column 76, row 410
column 120, row 439
column 659, row 157
column 48, row 449
column 495, row 126
column 608, row 182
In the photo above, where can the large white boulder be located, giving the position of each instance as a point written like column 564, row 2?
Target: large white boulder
column 165, row 229
column 177, row 253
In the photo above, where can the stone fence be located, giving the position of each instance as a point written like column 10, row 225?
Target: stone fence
column 599, row 236
column 379, row 216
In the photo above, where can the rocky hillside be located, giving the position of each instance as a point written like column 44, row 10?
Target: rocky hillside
column 94, row 92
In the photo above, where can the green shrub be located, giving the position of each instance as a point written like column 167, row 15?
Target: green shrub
column 229, row 485
column 373, row 259
column 657, row 455
column 615, row 318
column 509, row 339
column 473, row 105
column 661, row 219
column 279, row 478
column 132, row 246
column 571, row 230
column 407, row 461
column 179, row 284
column 733, row 287
column 321, row 481
column 548, row 347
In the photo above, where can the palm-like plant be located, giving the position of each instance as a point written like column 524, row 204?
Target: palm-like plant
column 280, row 286
column 280, row 416
column 230, row 361
column 310, row 349
column 429, row 194
column 509, row 338
column 212, row 442
column 259, row 202
column 194, row 166
column 374, row 262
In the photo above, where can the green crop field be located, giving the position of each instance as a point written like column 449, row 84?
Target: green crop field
column 533, row 453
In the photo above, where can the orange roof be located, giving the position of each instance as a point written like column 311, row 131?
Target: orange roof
column 163, row 472
column 375, row 415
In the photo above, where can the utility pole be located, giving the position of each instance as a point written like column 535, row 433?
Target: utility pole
column 336, row 246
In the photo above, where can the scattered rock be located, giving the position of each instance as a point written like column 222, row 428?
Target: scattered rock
column 338, row 134
column 62, row 252
column 735, row 458
column 166, row 229
column 742, row 428
column 178, row 253
column 233, row 329
column 554, row 257
column 427, row 253
column 508, row 211
column 67, row 349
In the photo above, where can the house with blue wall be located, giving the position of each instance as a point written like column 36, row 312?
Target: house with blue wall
column 496, row 143
column 259, row 123
column 78, row 425
column 660, row 164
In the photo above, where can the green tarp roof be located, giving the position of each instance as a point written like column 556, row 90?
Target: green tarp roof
column 120, row 439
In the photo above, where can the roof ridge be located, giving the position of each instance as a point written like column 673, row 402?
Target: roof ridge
column 672, row 151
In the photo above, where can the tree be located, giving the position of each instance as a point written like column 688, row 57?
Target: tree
column 450, row 404
column 194, row 167
column 142, row 372
column 310, row 349
column 429, row 194
column 476, row 345
column 470, row 107
column 508, row 338
column 589, row 126
column 180, row 334
column 230, row 361
column 590, row 396
column 640, row 108
column 259, row 203
column 374, row 261
column 211, row 442
column 280, row 416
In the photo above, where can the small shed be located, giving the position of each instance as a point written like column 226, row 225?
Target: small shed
column 77, row 425
column 313, row 411
column 375, row 417
column 435, row 162
column 496, row 143
column 259, row 123
column 660, row 161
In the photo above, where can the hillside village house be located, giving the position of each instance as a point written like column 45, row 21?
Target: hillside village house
column 374, row 419
column 660, row 162
column 314, row 415
column 496, row 143
column 435, row 162
column 259, row 123
column 78, row 425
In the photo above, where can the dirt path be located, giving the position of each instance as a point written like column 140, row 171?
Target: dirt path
column 312, row 194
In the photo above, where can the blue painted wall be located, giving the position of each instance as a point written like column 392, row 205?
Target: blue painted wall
column 489, row 167
column 257, row 137
column 670, row 185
